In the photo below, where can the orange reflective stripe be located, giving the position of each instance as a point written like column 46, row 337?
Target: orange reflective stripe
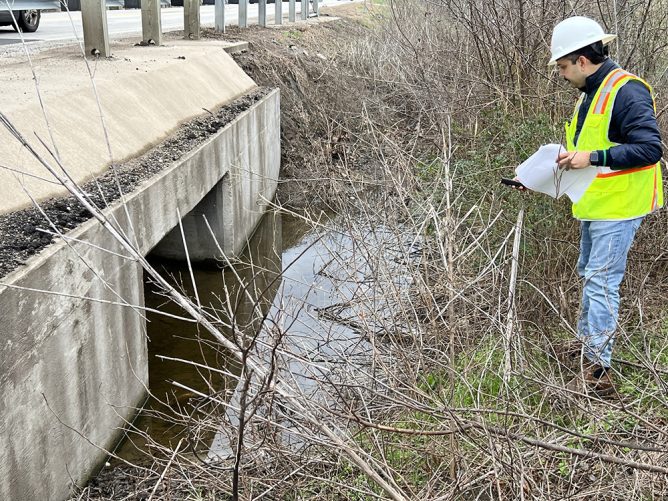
column 605, row 88
column 626, row 171
column 612, row 85
column 600, row 107
column 605, row 102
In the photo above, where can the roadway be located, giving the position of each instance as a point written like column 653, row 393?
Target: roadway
column 58, row 27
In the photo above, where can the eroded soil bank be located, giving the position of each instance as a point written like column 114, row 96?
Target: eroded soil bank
column 323, row 101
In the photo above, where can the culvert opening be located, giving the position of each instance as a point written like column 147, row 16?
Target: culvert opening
column 191, row 375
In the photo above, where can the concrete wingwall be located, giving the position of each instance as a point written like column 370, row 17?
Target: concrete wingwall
column 74, row 362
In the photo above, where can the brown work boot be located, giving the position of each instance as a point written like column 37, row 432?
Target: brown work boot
column 569, row 353
column 594, row 379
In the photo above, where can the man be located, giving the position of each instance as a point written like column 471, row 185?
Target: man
column 613, row 129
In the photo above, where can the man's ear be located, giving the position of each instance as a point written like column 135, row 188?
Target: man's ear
column 582, row 62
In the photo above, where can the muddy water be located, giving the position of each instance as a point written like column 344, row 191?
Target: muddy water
column 284, row 270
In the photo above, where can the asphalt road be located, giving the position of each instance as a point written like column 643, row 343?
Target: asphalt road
column 57, row 26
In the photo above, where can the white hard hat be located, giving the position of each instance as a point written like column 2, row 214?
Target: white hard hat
column 575, row 33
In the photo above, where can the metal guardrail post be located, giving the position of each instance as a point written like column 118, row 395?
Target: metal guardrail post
column 191, row 19
column 96, row 33
column 262, row 13
column 292, row 11
column 243, row 13
column 219, row 16
column 151, row 26
column 304, row 9
column 316, row 7
column 278, row 12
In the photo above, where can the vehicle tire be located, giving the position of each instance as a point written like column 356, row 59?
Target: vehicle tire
column 28, row 20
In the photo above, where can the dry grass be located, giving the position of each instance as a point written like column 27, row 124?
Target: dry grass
column 403, row 125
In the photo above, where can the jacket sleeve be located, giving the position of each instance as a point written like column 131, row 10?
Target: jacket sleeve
column 633, row 125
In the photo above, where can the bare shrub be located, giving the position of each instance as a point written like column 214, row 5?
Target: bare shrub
column 431, row 372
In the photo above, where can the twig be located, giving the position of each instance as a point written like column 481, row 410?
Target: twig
column 511, row 347
column 164, row 472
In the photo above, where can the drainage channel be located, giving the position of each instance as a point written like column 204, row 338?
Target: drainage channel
column 282, row 267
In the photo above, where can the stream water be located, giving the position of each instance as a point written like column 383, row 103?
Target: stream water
column 290, row 277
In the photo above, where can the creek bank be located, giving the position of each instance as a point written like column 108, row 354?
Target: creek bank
column 324, row 151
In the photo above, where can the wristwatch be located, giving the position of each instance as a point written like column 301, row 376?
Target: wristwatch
column 594, row 158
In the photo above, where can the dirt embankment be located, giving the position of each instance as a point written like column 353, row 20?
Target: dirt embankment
column 322, row 100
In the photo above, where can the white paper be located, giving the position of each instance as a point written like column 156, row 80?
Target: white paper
column 540, row 172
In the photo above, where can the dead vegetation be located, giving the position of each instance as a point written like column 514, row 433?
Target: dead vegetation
column 457, row 293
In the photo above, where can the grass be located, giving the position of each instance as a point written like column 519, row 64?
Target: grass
column 294, row 34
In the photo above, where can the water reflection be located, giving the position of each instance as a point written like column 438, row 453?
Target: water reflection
column 243, row 292
column 296, row 340
column 323, row 294
column 339, row 289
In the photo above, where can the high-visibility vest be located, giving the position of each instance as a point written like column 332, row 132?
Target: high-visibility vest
column 614, row 194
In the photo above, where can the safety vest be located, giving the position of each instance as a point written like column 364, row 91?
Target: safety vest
column 614, row 194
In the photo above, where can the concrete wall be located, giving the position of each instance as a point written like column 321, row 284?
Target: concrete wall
column 72, row 370
column 235, row 204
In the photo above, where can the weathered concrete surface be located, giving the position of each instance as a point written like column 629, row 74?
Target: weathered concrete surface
column 144, row 92
column 237, row 202
column 72, row 369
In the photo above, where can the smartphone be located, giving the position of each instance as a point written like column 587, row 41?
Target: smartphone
column 511, row 182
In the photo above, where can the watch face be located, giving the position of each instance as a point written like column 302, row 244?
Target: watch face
column 593, row 158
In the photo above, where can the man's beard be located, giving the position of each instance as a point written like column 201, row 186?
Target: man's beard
column 571, row 83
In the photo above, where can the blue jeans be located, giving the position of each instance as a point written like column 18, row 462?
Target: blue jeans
column 604, row 246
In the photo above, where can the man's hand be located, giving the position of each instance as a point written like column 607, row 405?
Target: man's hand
column 573, row 160
column 520, row 188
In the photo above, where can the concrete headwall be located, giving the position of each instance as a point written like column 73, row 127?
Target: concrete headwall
column 237, row 192
column 73, row 362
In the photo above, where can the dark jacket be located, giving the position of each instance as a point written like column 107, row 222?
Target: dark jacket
column 633, row 124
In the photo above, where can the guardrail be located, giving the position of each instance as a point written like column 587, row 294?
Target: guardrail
column 96, row 37
column 192, row 31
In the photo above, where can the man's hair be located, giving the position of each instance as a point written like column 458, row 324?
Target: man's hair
column 596, row 53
